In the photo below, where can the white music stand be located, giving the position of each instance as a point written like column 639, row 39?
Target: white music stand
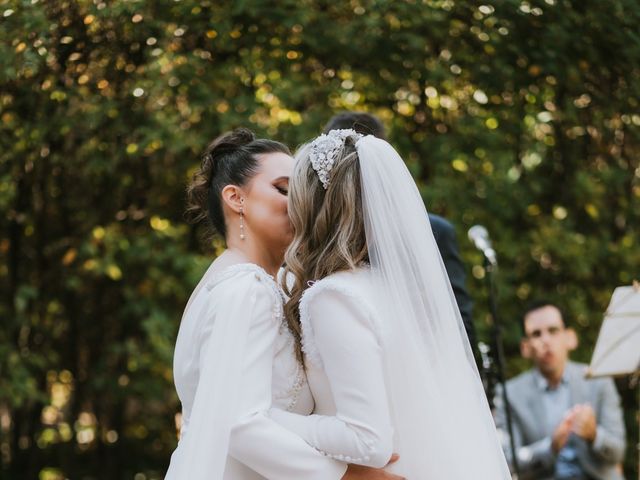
column 617, row 351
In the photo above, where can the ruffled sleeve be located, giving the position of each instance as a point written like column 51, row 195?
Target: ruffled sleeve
column 233, row 395
column 341, row 338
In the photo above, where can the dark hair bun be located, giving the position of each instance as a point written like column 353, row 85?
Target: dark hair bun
column 230, row 159
column 229, row 141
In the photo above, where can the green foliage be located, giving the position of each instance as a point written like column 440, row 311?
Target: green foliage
column 520, row 115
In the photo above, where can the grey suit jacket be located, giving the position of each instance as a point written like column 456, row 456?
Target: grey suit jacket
column 533, row 443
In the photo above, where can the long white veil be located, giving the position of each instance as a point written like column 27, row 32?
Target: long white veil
column 444, row 428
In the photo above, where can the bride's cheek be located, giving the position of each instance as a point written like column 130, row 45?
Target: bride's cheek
column 284, row 207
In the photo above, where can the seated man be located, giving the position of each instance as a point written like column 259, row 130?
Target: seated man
column 564, row 426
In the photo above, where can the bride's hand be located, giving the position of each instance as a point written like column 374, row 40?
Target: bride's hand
column 358, row 472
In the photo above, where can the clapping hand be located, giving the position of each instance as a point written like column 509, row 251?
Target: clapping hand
column 581, row 420
column 563, row 430
column 584, row 422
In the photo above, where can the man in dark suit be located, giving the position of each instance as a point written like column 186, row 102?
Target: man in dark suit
column 443, row 231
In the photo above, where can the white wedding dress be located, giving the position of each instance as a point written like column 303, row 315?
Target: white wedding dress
column 353, row 420
column 233, row 361
column 344, row 363
column 388, row 361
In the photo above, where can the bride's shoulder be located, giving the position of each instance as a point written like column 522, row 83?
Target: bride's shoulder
column 352, row 283
column 347, row 287
column 243, row 278
column 352, row 286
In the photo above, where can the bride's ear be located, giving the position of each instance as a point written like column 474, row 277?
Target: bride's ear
column 233, row 197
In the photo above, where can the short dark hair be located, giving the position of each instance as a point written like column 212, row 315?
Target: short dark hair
column 536, row 305
column 362, row 122
column 230, row 159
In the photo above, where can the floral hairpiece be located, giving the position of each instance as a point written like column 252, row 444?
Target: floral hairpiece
column 324, row 151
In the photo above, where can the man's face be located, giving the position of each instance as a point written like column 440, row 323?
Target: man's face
column 547, row 342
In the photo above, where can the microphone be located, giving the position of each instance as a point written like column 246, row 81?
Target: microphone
column 480, row 238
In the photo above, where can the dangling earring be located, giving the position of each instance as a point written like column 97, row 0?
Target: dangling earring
column 242, row 236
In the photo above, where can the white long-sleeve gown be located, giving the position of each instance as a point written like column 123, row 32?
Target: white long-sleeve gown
column 388, row 361
column 354, row 419
column 344, row 364
column 233, row 360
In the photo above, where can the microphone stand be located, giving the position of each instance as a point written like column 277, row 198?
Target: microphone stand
column 496, row 340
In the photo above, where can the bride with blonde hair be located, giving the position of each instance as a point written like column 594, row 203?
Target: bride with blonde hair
column 375, row 321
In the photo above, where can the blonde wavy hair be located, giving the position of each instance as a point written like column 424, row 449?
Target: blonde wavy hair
column 328, row 226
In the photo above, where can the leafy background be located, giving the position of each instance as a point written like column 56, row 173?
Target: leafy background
column 520, row 115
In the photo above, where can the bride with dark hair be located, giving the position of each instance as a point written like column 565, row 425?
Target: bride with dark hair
column 376, row 323
column 234, row 357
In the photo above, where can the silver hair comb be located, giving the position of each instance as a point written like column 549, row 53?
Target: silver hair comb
column 324, row 150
